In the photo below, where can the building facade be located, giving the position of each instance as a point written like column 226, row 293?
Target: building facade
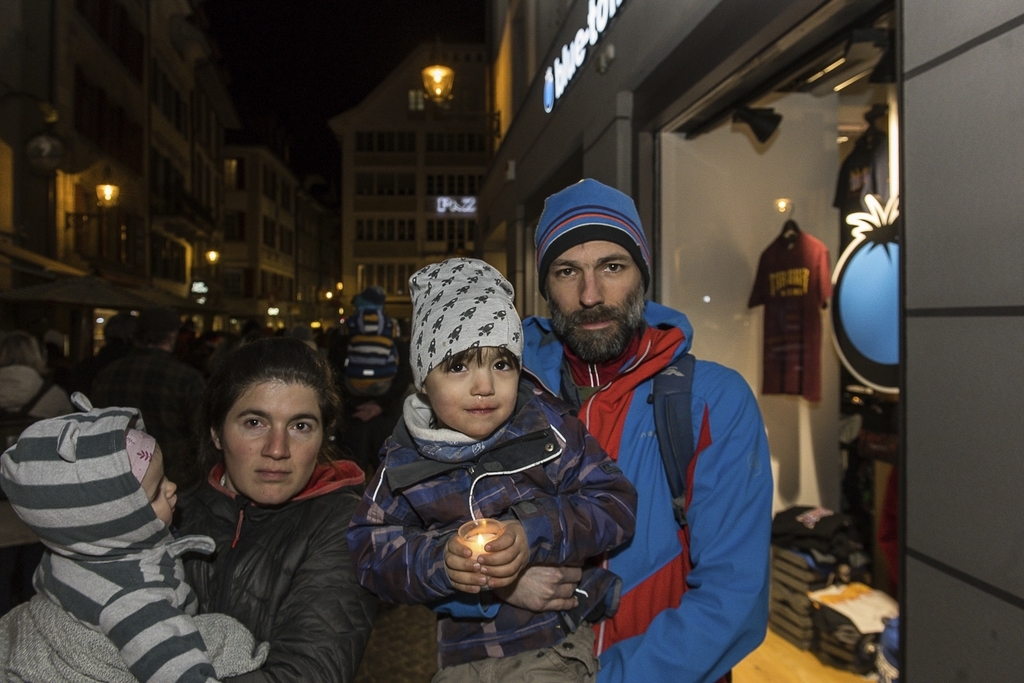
column 411, row 173
column 124, row 93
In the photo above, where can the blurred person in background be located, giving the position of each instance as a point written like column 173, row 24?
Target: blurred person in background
column 163, row 388
column 57, row 361
column 117, row 343
column 27, row 394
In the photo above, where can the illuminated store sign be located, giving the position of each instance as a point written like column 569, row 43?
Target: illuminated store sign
column 456, row 204
column 558, row 75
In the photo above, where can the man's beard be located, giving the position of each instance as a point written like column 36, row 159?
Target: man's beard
column 597, row 346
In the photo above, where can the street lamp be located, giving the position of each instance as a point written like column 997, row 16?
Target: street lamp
column 107, row 192
column 438, row 79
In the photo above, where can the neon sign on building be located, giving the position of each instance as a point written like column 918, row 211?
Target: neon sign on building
column 456, row 204
column 573, row 54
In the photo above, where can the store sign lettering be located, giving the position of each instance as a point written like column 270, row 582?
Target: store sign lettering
column 574, row 53
column 456, row 204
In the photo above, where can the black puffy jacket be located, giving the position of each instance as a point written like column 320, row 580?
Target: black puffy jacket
column 285, row 573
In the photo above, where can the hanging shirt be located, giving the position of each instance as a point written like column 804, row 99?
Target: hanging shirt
column 792, row 283
column 864, row 171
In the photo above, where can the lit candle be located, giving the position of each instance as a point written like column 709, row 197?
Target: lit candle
column 479, row 532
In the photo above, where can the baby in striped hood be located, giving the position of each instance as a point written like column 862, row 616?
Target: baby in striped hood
column 91, row 486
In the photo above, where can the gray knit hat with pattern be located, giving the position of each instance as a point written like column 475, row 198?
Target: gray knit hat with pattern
column 459, row 304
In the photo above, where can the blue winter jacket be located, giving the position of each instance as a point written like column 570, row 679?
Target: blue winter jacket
column 668, row 630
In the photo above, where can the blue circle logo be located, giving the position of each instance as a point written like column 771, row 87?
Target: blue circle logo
column 866, row 297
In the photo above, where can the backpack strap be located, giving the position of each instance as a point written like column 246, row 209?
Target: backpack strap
column 673, row 422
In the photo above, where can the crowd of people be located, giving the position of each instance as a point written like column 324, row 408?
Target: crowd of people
column 235, row 506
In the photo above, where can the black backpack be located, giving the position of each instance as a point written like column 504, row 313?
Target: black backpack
column 672, row 395
column 14, row 422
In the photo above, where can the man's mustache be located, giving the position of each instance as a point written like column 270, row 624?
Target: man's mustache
column 597, row 314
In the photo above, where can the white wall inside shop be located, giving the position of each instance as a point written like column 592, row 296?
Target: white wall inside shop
column 717, row 216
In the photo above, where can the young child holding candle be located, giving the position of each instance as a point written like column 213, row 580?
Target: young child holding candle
column 476, row 444
column 112, row 601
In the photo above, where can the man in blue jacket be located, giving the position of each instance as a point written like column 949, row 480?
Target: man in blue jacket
column 695, row 599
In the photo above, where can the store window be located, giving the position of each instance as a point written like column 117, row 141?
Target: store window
column 779, row 213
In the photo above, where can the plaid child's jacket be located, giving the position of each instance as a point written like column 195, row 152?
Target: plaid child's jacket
column 545, row 471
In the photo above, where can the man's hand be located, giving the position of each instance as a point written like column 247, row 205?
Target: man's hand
column 542, row 588
column 367, row 411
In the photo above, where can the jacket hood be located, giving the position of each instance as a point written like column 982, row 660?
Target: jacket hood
column 543, row 353
column 325, row 478
column 69, row 479
column 18, row 384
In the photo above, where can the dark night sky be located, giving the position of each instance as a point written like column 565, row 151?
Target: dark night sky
column 300, row 62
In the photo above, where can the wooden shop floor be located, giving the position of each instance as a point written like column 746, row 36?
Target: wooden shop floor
column 779, row 661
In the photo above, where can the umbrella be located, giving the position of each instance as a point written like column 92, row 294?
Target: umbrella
column 95, row 292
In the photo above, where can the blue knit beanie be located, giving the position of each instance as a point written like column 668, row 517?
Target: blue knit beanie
column 585, row 212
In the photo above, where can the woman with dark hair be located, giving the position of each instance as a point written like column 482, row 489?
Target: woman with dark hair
column 277, row 504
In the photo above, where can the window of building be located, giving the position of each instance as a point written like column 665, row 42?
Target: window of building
column 364, row 184
column 456, row 232
column 167, row 258
column 233, row 282
column 385, row 229
column 385, row 184
column 269, row 182
column 407, row 141
column 286, row 197
column 455, row 143
column 234, row 174
column 393, row 278
column 167, row 185
column 416, row 100
column 453, row 184
column 113, row 26
column 234, row 226
column 405, row 184
column 269, row 231
column 105, row 123
column 287, row 240
column 386, row 141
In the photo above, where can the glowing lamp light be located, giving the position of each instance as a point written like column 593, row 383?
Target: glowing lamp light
column 782, row 205
column 107, row 194
column 212, row 256
column 437, row 82
column 329, row 294
column 273, row 310
column 339, row 286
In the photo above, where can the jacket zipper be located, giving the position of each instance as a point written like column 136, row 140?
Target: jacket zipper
column 238, row 527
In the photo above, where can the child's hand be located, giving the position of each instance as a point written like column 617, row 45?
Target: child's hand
column 462, row 568
column 506, row 556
